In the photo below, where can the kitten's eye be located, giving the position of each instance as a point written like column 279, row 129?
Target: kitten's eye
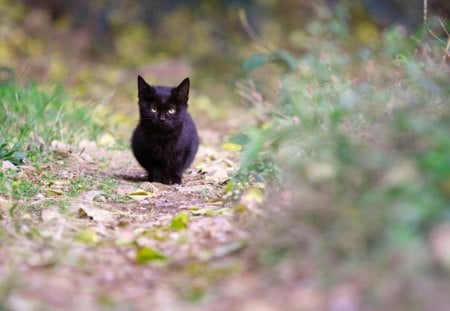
column 172, row 110
column 153, row 109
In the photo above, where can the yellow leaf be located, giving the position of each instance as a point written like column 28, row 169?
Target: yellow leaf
column 87, row 236
column 107, row 140
column 140, row 195
column 266, row 126
column 224, row 211
column 51, row 191
column 231, row 146
column 254, row 195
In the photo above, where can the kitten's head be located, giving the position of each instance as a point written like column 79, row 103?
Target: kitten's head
column 163, row 107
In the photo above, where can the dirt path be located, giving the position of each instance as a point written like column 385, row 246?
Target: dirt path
column 94, row 239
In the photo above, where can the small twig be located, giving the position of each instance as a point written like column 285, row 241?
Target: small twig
column 435, row 36
column 425, row 22
column 425, row 11
column 82, row 151
column 252, row 34
column 447, row 47
column 445, row 29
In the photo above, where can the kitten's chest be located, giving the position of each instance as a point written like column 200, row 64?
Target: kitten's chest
column 158, row 147
column 162, row 150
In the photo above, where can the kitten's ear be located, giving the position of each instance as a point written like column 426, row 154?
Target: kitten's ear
column 144, row 87
column 182, row 91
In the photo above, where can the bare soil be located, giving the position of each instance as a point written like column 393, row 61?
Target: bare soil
column 84, row 254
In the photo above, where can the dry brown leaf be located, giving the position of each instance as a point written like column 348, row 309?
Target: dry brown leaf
column 90, row 196
column 60, row 149
column 217, row 173
column 94, row 213
column 8, row 165
column 4, row 203
column 48, row 215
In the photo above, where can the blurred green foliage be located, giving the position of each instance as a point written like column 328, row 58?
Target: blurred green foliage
column 361, row 139
column 97, row 47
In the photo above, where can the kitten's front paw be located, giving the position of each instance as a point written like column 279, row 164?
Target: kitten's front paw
column 176, row 179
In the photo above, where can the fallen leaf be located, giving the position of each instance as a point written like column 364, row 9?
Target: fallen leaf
column 52, row 191
column 145, row 255
column 228, row 249
column 90, row 196
column 150, row 187
column 106, row 140
column 140, row 195
column 48, row 215
column 217, row 174
column 196, row 211
column 180, row 221
column 228, row 146
column 87, row 236
column 60, row 149
column 253, row 194
column 123, row 190
column 8, row 165
column 94, row 213
column 229, row 187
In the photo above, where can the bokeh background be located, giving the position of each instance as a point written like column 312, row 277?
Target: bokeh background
column 96, row 48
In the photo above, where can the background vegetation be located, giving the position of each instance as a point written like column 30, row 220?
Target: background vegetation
column 340, row 111
column 359, row 137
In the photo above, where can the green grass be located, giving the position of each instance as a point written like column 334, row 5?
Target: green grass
column 17, row 188
column 86, row 182
column 32, row 117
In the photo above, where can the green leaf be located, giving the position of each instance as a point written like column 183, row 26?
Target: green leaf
column 11, row 154
column 229, row 187
column 180, row 221
column 255, row 61
column 211, row 212
column 145, row 255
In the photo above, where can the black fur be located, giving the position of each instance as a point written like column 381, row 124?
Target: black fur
column 165, row 141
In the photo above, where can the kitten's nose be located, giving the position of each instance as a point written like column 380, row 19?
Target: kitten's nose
column 162, row 117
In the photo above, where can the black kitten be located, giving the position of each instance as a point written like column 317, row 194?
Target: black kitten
column 165, row 141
